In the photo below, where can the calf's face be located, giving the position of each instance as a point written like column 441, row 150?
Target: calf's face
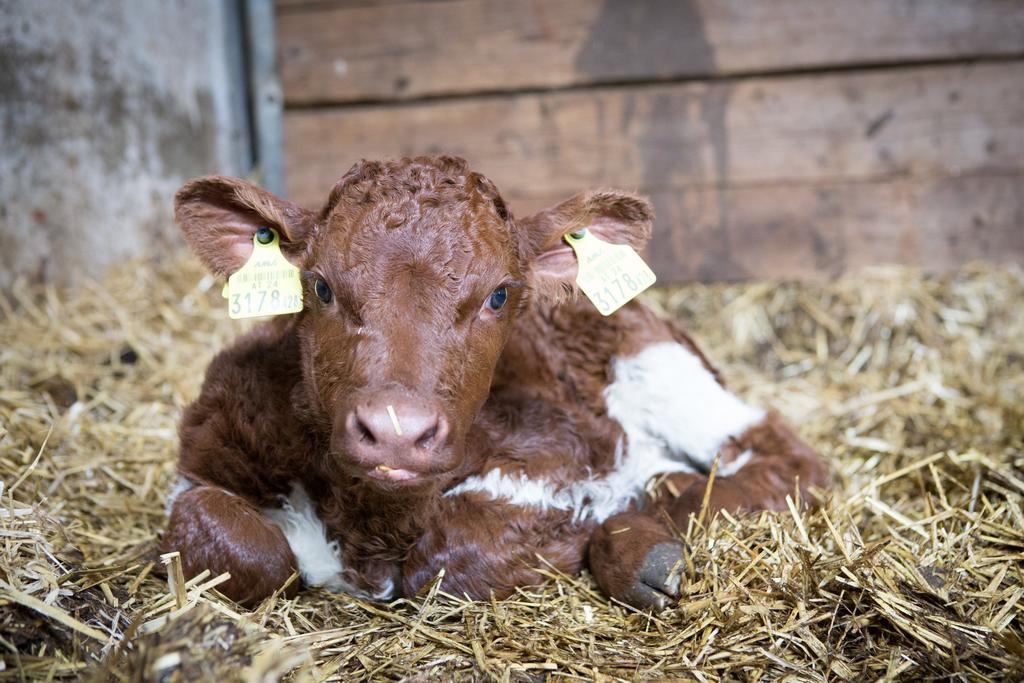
column 414, row 273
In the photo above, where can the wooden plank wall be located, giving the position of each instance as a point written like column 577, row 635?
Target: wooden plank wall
column 795, row 138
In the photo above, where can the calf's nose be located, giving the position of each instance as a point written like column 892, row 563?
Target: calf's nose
column 393, row 428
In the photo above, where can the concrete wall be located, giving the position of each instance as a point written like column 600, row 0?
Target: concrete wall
column 105, row 109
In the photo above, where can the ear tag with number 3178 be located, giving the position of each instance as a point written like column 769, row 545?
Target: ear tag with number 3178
column 609, row 274
column 268, row 284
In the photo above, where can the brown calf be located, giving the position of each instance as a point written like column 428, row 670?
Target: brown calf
column 529, row 423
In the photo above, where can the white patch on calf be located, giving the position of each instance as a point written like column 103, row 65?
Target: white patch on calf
column 179, row 488
column 385, row 592
column 665, row 394
column 676, row 417
column 319, row 559
column 594, row 498
column 735, row 465
column 588, row 499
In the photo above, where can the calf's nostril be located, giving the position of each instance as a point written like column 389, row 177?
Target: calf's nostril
column 360, row 430
column 434, row 435
column 424, row 440
column 364, row 432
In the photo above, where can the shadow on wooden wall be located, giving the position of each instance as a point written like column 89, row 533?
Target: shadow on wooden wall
column 788, row 139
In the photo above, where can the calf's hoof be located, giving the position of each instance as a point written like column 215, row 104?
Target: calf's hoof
column 657, row 580
column 637, row 562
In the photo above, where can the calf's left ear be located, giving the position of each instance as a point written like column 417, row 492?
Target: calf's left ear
column 219, row 216
column 611, row 215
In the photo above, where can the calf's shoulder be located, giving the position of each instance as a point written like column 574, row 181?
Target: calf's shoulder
column 565, row 353
column 247, row 431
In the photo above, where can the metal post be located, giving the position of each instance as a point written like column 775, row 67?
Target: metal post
column 267, row 100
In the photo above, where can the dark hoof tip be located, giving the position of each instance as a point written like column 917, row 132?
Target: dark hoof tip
column 659, row 577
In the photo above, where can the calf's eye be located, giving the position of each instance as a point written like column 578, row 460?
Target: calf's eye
column 498, row 299
column 323, row 292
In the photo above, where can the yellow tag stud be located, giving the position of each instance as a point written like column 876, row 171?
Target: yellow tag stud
column 609, row 274
column 268, row 284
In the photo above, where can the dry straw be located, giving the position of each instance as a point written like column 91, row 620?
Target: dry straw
column 912, row 385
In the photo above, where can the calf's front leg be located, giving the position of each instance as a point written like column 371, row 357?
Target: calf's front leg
column 220, row 531
column 636, row 560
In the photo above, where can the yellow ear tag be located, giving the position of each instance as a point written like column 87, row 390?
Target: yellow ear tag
column 268, row 284
column 609, row 274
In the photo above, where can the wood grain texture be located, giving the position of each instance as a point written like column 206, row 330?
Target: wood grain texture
column 824, row 230
column 332, row 52
column 785, row 176
column 807, row 129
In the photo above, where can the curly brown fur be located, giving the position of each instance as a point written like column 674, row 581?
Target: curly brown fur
column 412, row 253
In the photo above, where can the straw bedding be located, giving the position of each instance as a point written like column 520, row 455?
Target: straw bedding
column 912, row 385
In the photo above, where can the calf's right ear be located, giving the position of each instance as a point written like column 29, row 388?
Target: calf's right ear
column 219, row 216
column 613, row 216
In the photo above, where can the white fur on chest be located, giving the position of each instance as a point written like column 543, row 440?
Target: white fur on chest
column 676, row 417
column 319, row 559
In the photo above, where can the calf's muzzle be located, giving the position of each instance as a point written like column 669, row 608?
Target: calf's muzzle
column 395, row 437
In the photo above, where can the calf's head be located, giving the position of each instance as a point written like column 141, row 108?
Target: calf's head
column 414, row 273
